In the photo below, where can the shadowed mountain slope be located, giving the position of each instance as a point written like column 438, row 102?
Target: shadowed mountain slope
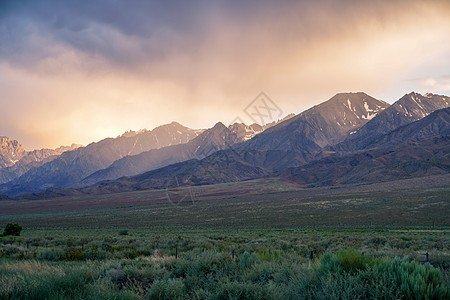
column 321, row 125
column 419, row 159
column 409, row 108
column 217, row 138
column 418, row 149
column 211, row 140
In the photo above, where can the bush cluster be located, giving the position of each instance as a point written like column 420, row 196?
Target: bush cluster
column 216, row 275
column 219, row 265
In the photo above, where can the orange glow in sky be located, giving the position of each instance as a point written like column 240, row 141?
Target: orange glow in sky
column 78, row 73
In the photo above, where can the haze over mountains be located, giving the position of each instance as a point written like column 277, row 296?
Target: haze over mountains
column 129, row 154
column 73, row 166
column 209, row 141
column 351, row 138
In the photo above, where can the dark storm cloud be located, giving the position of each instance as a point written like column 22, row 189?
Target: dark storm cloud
column 130, row 32
column 91, row 27
column 28, row 29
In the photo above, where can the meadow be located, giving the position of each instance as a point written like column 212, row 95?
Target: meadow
column 253, row 240
column 174, row 263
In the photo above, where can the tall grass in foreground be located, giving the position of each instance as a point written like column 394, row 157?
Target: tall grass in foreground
column 345, row 274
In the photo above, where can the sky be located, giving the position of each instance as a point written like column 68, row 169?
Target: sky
column 81, row 71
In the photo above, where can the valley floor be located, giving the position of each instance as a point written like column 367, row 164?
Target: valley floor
column 266, row 203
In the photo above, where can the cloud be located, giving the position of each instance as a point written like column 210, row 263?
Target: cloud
column 434, row 84
column 83, row 71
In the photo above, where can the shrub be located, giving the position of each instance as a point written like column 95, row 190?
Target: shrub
column 123, row 232
column 247, row 260
column 267, row 255
column 94, row 253
column 329, row 264
column 262, row 273
column 12, row 229
column 51, row 254
column 415, row 281
column 166, row 289
column 72, row 254
column 200, row 266
column 366, row 284
column 351, row 260
column 238, row 290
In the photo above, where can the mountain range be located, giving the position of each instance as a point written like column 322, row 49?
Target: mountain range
column 72, row 166
column 15, row 161
column 351, row 138
column 421, row 148
column 409, row 108
column 209, row 141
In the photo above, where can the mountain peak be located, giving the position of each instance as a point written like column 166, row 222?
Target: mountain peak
column 174, row 123
column 409, row 108
column 416, row 106
column 218, row 125
column 322, row 125
column 350, row 109
column 10, row 151
column 345, row 94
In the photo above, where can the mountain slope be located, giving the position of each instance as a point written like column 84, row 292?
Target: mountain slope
column 409, row 108
column 417, row 149
column 436, row 124
column 322, row 125
column 30, row 160
column 217, row 138
column 11, row 151
column 73, row 166
column 211, row 140
column 424, row 158
column 222, row 166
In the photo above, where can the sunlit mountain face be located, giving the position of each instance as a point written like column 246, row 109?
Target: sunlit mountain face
column 73, row 72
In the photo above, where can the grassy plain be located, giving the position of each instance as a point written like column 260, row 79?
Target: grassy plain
column 251, row 240
column 421, row 202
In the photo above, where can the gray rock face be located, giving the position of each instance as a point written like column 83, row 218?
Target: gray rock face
column 437, row 124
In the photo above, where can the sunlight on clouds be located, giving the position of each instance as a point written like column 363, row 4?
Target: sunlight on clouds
column 65, row 86
column 435, row 84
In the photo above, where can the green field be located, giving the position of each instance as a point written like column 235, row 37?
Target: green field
column 175, row 263
column 252, row 240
